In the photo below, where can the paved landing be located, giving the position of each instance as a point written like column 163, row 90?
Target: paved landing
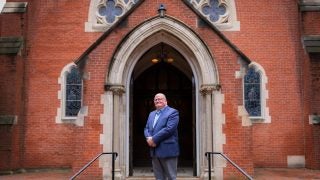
column 260, row 174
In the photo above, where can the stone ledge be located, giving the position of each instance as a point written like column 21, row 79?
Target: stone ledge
column 10, row 45
column 306, row 6
column 14, row 7
column 312, row 43
column 22, row 170
column 7, row 119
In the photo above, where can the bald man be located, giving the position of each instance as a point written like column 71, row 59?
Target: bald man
column 161, row 134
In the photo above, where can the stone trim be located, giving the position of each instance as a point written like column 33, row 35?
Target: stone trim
column 97, row 23
column 60, row 118
column 115, row 88
column 226, row 22
column 296, row 161
column 265, row 116
column 312, row 43
column 8, row 119
column 244, row 116
column 107, row 136
column 206, row 89
column 309, row 5
column 14, row 7
column 11, row 45
column 314, row 119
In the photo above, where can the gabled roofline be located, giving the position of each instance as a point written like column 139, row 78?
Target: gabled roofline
column 219, row 33
column 83, row 56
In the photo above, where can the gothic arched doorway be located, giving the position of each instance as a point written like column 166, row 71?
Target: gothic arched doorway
column 166, row 77
column 128, row 64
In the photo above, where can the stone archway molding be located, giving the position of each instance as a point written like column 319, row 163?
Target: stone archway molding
column 154, row 26
column 116, row 99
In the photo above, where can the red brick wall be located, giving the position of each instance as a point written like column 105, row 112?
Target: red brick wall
column 56, row 38
column 5, row 148
column 270, row 36
column 314, row 133
column 310, row 22
column 315, row 80
column 311, row 26
column 12, row 94
column 11, row 104
column 8, row 85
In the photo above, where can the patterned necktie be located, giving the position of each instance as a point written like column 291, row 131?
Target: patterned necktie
column 156, row 118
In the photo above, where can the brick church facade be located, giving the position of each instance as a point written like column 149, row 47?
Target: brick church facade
column 78, row 78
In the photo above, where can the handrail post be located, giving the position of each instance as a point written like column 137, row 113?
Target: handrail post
column 113, row 159
column 229, row 160
column 209, row 165
column 236, row 166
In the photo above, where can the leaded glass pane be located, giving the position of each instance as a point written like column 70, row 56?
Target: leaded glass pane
column 73, row 93
column 74, row 77
column 72, row 108
column 214, row 10
column 252, row 93
column 134, row 1
column 110, row 10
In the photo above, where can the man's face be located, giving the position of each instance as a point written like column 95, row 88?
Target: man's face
column 159, row 101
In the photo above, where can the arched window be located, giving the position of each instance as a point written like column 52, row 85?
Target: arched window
column 255, row 93
column 252, row 93
column 70, row 95
column 73, row 93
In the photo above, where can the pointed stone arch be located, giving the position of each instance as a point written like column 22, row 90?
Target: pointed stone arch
column 209, row 100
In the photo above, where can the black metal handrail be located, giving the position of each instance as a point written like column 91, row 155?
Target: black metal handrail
column 114, row 157
column 208, row 155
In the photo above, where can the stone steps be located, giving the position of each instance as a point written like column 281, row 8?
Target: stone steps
column 152, row 178
column 145, row 173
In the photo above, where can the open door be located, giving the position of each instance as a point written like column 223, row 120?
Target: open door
column 165, row 78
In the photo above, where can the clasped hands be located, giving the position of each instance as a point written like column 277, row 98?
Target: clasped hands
column 150, row 142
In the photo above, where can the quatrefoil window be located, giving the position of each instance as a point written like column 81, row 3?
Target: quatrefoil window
column 214, row 10
column 105, row 13
column 134, row 1
column 110, row 10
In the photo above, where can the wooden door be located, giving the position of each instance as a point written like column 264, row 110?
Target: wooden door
column 167, row 79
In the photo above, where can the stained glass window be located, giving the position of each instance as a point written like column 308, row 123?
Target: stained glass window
column 252, row 92
column 73, row 93
column 110, row 10
column 214, row 10
column 134, row 1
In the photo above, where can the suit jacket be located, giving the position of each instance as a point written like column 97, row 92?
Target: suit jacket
column 164, row 133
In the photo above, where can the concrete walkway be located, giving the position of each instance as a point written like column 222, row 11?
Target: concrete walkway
column 260, row 174
column 286, row 174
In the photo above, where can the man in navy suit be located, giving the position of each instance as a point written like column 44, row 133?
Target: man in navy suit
column 161, row 134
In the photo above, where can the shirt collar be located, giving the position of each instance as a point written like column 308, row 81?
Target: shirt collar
column 160, row 110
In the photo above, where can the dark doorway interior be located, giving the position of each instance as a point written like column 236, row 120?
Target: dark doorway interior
column 165, row 78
